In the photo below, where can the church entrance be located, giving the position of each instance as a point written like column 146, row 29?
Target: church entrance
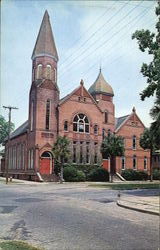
column 46, row 163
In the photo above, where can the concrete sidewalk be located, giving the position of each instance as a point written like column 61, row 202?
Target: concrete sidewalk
column 149, row 204
column 18, row 181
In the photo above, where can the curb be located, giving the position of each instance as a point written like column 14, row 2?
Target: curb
column 138, row 209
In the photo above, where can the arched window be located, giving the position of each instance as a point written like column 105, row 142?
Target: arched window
column 47, row 114
column 39, row 71
column 103, row 133
column 81, row 123
column 134, row 142
column 95, row 153
column 31, row 158
column 74, row 152
column 48, row 72
column 96, row 129
column 46, row 154
column 134, row 162
column 106, row 117
column 32, row 116
column 23, row 159
column 66, row 126
column 145, row 163
column 55, row 75
column 123, row 161
column 87, row 152
column 81, row 153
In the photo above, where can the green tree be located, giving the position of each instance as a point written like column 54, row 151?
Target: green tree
column 147, row 142
column 61, row 152
column 150, row 42
column 4, row 128
column 111, row 147
column 155, row 126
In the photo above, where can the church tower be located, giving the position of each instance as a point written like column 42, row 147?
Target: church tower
column 103, row 94
column 44, row 92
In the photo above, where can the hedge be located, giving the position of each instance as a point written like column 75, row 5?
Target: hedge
column 72, row 174
column 99, row 174
column 132, row 175
column 156, row 174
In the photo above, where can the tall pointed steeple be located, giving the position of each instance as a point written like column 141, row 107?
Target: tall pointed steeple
column 45, row 44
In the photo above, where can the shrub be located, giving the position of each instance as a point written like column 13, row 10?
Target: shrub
column 132, row 175
column 129, row 174
column 80, row 176
column 69, row 173
column 141, row 175
column 87, row 169
column 72, row 174
column 156, row 174
column 99, row 174
column 57, row 167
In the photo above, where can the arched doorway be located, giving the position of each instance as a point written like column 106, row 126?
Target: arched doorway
column 46, row 163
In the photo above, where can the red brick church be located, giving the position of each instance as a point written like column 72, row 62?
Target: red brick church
column 84, row 116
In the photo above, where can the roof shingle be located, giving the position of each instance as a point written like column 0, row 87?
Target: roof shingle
column 19, row 131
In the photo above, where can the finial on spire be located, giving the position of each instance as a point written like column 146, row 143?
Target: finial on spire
column 46, row 13
column 100, row 67
column 134, row 110
column 82, row 82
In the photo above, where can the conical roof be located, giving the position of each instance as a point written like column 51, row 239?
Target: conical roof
column 45, row 44
column 100, row 86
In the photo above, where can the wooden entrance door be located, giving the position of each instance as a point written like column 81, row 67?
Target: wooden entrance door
column 45, row 166
column 46, row 163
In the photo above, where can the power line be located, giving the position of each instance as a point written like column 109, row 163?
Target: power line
column 110, row 54
column 99, row 46
column 102, row 44
column 106, row 55
column 96, row 30
column 103, row 35
column 86, row 32
column 112, row 15
column 118, row 32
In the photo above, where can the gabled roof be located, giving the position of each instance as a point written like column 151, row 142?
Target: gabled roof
column 45, row 44
column 19, row 131
column 63, row 99
column 78, row 92
column 120, row 120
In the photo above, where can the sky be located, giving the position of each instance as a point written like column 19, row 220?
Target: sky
column 88, row 35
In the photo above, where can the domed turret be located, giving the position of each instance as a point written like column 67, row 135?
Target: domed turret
column 100, row 86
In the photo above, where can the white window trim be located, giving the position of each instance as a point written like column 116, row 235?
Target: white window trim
column 38, row 71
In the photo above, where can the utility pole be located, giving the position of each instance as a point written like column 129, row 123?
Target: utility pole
column 9, row 131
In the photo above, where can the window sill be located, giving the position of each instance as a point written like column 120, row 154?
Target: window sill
column 81, row 132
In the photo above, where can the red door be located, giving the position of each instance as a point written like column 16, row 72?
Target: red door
column 105, row 164
column 45, row 166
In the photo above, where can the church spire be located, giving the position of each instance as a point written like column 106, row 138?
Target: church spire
column 45, row 44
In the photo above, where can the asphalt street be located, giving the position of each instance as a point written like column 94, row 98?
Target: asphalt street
column 74, row 217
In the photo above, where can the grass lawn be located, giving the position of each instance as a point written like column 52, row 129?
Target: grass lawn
column 127, row 186
column 16, row 245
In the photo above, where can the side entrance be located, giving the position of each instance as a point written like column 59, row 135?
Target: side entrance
column 46, row 163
